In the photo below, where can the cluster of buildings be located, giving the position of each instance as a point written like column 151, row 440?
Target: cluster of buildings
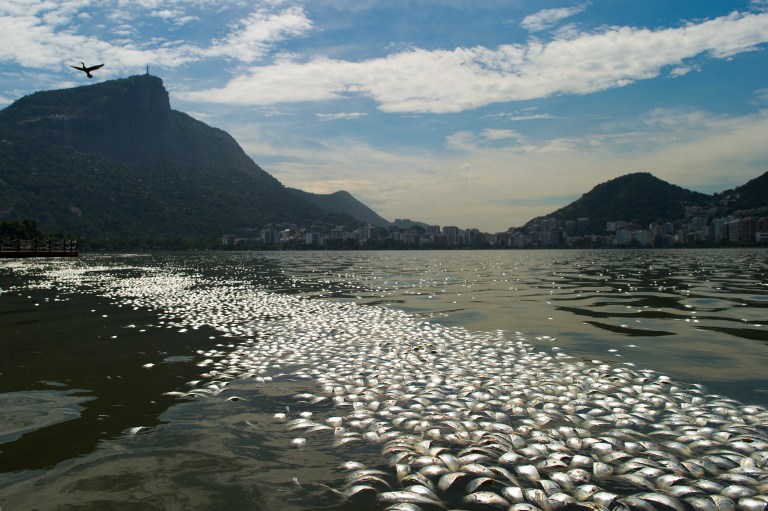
column 699, row 227
column 370, row 236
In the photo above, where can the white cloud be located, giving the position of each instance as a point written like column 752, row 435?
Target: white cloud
column 547, row 18
column 39, row 33
column 521, row 117
column 762, row 95
column 497, row 134
column 341, row 115
column 256, row 35
column 413, row 81
column 175, row 16
column 683, row 70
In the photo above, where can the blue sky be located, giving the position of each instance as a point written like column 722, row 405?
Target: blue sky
column 452, row 112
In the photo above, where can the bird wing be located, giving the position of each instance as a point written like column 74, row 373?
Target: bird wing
column 78, row 68
column 94, row 68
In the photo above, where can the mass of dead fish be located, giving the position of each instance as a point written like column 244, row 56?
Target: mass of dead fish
column 470, row 420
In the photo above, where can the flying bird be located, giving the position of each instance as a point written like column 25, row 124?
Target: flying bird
column 87, row 70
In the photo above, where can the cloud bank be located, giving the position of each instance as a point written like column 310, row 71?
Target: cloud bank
column 411, row 81
column 40, row 34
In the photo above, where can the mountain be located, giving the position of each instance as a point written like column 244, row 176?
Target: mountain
column 751, row 195
column 343, row 203
column 407, row 223
column 637, row 198
column 112, row 161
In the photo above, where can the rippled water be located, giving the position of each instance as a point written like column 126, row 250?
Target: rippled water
column 92, row 347
column 700, row 315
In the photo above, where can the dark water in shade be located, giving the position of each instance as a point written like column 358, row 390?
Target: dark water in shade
column 85, row 423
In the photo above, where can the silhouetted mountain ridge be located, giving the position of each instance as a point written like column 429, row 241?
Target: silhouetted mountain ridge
column 751, row 195
column 342, row 202
column 113, row 160
column 639, row 198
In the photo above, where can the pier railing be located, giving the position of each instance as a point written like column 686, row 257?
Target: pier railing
column 38, row 248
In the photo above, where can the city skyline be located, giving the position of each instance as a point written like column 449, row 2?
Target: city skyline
column 442, row 111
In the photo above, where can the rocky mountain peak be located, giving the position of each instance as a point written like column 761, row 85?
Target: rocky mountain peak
column 125, row 120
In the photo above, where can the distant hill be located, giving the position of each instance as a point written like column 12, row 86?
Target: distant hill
column 639, row 198
column 344, row 203
column 751, row 195
column 113, row 162
column 407, row 223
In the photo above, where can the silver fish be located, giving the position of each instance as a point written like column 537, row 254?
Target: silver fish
column 605, row 498
column 601, row 470
column 701, row 503
column 585, row 492
column 422, row 490
column 752, row 504
column 737, row 492
column 360, row 492
column 663, row 500
column 487, row 499
column 528, row 472
column 478, row 482
column 637, row 504
column 403, row 506
column 513, row 494
column 634, row 480
column 523, row 506
column 447, row 481
column 560, row 500
column 723, row 503
column 407, row 497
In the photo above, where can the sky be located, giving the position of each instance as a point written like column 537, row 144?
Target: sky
column 475, row 113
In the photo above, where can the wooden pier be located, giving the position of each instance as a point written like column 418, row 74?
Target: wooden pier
column 38, row 248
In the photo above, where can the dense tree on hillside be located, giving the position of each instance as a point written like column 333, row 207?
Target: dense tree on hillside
column 639, row 197
column 15, row 229
column 112, row 162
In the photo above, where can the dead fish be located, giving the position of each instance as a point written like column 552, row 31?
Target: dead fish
column 601, row 470
column 487, row 499
column 663, row 500
column 528, row 472
column 360, row 492
column 407, row 497
column 634, row 481
column 524, row 506
column 752, row 504
column 478, row 482
column 449, row 480
column 605, row 498
column 737, row 492
column 477, row 469
column 403, row 506
column 700, row 503
column 636, row 504
column 422, row 490
column 514, row 494
column 723, row 503
column 680, row 491
column 585, row 492
column 560, row 500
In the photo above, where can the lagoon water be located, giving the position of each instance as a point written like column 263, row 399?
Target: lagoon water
column 151, row 381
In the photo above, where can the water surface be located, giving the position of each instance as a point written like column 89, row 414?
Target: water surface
column 92, row 347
